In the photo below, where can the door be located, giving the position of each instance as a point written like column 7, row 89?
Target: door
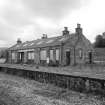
column 67, row 57
column 90, row 57
column 21, row 57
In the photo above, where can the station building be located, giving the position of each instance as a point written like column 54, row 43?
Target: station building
column 66, row 49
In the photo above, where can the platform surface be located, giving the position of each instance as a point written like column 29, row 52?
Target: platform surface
column 89, row 71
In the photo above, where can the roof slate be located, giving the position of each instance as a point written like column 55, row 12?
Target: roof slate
column 53, row 41
column 87, row 43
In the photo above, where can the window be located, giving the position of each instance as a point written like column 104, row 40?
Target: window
column 13, row 56
column 20, row 56
column 57, row 54
column 80, row 53
column 31, row 55
column 43, row 55
column 52, row 55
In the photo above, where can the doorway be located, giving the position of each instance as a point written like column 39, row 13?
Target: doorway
column 67, row 57
column 90, row 57
column 21, row 57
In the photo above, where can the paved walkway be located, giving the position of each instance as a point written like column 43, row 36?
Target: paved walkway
column 90, row 71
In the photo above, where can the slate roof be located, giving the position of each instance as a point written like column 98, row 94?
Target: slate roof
column 87, row 43
column 53, row 41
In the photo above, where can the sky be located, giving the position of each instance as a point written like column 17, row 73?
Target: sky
column 29, row 19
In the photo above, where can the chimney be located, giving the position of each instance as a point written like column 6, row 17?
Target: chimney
column 19, row 41
column 44, row 36
column 65, row 32
column 78, row 29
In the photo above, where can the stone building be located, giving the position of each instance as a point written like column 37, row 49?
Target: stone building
column 66, row 49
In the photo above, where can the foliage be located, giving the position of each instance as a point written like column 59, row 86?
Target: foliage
column 99, row 42
column 3, row 53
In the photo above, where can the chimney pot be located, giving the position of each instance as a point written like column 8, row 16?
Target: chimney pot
column 65, row 32
column 19, row 41
column 44, row 36
column 66, row 28
column 78, row 25
column 78, row 29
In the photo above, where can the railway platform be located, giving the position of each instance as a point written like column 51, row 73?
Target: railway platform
column 86, row 71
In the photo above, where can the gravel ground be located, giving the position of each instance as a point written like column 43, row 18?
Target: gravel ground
column 19, row 91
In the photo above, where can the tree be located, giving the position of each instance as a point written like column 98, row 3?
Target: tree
column 3, row 53
column 99, row 42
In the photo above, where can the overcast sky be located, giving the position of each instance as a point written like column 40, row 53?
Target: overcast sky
column 29, row 19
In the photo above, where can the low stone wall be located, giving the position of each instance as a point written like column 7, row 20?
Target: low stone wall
column 76, row 83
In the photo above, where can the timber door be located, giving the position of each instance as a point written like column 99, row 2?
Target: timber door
column 67, row 57
column 90, row 57
column 21, row 57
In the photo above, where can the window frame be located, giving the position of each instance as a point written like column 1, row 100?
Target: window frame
column 43, row 55
column 51, row 54
column 57, row 57
column 13, row 55
column 80, row 53
column 31, row 55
